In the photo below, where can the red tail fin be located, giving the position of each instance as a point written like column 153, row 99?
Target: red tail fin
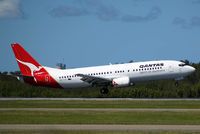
column 26, row 62
column 30, row 67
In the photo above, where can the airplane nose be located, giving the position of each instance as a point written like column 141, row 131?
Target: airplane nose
column 188, row 70
column 192, row 69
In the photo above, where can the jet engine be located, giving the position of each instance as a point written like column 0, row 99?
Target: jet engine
column 122, row 82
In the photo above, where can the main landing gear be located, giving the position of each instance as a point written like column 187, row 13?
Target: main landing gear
column 176, row 83
column 104, row 90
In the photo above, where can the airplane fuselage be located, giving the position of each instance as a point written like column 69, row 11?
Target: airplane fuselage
column 137, row 72
column 117, row 75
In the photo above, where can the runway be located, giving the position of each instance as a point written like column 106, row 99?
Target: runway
column 107, row 99
column 101, row 109
column 141, row 128
column 100, row 127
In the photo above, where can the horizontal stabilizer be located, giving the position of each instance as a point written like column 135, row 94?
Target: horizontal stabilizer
column 25, row 76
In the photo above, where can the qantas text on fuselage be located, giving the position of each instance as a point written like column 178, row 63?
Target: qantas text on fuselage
column 118, row 75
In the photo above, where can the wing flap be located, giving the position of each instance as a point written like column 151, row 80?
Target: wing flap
column 94, row 80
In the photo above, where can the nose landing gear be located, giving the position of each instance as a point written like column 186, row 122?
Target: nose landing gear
column 176, row 83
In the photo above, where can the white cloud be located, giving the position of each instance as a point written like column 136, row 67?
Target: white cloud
column 154, row 13
column 87, row 7
column 190, row 23
column 67, row 11
column 10, row 9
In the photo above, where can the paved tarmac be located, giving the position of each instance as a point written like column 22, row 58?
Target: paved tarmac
column 107, row 99
column 106, row 127
column 141, row 128
column 101, row 109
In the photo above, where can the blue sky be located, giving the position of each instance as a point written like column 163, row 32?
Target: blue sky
column 97, row 32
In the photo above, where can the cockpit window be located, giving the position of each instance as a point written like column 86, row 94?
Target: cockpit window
column 182, row 64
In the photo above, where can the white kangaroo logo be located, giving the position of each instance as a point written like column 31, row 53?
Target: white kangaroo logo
column 32, row 67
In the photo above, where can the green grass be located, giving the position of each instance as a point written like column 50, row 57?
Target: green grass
column 91, row 132
column 98, row 117
column 98, row 104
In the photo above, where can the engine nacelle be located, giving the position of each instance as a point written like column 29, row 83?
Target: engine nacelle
column 122, row 82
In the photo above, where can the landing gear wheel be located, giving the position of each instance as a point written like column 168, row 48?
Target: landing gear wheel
column 104, row 91
column 176, row 83
column 132, row 84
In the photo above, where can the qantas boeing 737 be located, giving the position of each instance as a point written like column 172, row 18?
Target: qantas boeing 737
column 118, row 75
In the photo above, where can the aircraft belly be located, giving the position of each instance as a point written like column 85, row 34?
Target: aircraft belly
column 154, row 76
column 74, row 84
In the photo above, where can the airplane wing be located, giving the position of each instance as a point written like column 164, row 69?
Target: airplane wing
column 94, row 80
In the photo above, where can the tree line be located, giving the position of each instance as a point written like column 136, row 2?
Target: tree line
column 188, row 88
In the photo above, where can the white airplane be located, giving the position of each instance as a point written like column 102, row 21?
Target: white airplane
column 118, row 75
